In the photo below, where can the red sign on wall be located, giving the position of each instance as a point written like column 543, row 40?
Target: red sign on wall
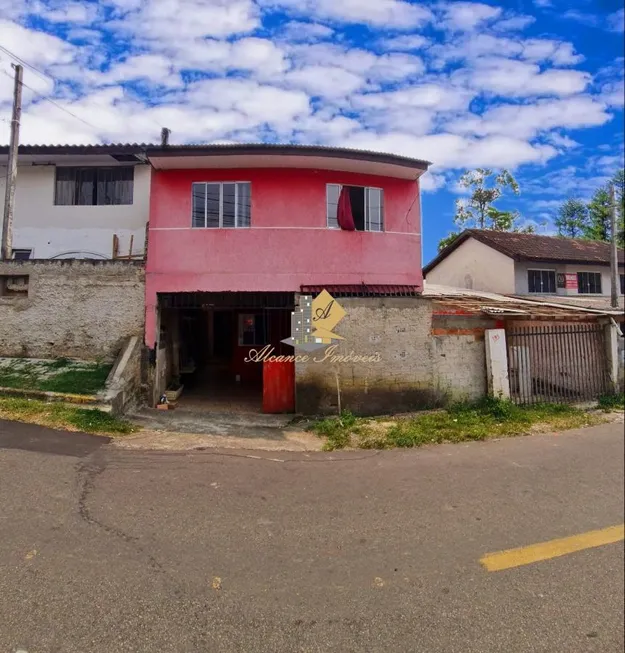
column 571, row 281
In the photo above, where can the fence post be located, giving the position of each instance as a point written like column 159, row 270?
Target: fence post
column 611, row 347
column 497, row 363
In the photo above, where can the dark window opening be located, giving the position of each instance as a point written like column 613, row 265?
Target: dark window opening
column 622, row 284
column 252, row 329
column 367, row 205
column 21, row 254
column 589, row 283
column 94, row 186
column 541, row 281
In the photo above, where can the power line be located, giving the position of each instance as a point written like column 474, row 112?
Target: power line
column 47, row 77
column 56, row 104
column 41, row 74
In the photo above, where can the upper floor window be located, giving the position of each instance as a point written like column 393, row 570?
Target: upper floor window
column 366, row 204
column 94, row 186
column 541, row 281
column 221, row 204
column 589, row 283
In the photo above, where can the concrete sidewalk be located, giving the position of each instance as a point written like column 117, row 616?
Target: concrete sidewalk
column 184, row 430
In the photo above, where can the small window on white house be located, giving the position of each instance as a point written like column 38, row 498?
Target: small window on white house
column 541, row 281
column 221, row 204
column 21, row 254
column 367, row 206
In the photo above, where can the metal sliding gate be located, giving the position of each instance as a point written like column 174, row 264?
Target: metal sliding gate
column 557, row 363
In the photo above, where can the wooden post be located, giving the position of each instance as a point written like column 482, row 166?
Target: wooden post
column 613, row 252
column 9, row 196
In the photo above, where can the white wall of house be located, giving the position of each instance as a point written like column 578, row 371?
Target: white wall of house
column 521, row 269
column 475, row 266
column 74, row 231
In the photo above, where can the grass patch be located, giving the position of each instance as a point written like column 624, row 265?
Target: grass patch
column 612, row 402
column 61, row 416
column 61, row 375
column 460, row 422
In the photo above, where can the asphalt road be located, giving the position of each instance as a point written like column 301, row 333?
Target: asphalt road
column 104, row 550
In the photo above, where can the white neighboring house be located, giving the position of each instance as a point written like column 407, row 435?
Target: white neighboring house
column 71, row 200
column 527, row 264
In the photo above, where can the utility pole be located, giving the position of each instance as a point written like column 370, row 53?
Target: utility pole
column 613, row 251
column 9, row 195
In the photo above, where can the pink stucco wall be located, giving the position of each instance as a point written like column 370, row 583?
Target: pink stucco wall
column 288, row 244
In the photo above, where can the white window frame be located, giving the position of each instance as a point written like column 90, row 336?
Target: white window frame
column 542, row 292
column 221, row 204
column 366, row 207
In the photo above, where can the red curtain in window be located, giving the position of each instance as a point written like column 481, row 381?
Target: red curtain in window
column 344, row 211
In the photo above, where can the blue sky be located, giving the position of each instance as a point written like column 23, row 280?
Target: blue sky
column 535, row 86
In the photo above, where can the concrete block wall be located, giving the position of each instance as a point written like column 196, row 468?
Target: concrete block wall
column 73, row 308
column 458, row 355
column 418, row 366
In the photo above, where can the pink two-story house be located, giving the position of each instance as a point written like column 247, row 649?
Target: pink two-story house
column 236, row 234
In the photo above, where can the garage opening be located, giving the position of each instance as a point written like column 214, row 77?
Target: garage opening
column 204, row 341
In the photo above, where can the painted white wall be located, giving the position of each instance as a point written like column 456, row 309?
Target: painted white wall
column 521, row 268
column 74, row 231
column 475, row 266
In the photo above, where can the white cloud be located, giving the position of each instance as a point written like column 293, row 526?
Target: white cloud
column 466, row 16
column 66, row 12
column 510, row 78
column 616, row 21
column 166, row 21
column 398, row 14
column 405, row 42
column 561, row 53
column 153, row 67
column 561, row 141
column 581, row 17
column 514, row 23
column 296, row 31
column 528, row 120
column 325, row 81
column 454, row 151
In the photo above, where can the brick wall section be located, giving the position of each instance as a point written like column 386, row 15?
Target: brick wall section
column 417, row 368
column 73, row 308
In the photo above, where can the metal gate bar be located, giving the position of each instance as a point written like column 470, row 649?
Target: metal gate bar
column 557, row 363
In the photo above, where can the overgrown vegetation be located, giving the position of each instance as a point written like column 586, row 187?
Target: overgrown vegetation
column 62, row 416
column 61, row 375
column 479, row 420
column 612, row 402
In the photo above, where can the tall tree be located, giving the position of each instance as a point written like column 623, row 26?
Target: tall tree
column 572, row 219
column 478, row 211
column 599, row 216
column 484, row 192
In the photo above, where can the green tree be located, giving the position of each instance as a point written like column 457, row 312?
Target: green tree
column 599, row 216
column 443, row 242
column 486, row 188
column 572, row 219
column 478, row 211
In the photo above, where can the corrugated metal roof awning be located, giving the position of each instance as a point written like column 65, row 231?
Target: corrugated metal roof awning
column 363, row 290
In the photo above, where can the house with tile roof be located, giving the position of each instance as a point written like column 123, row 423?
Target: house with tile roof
column 565, row 269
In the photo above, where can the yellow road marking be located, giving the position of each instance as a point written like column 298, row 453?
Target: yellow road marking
column 526, row 555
